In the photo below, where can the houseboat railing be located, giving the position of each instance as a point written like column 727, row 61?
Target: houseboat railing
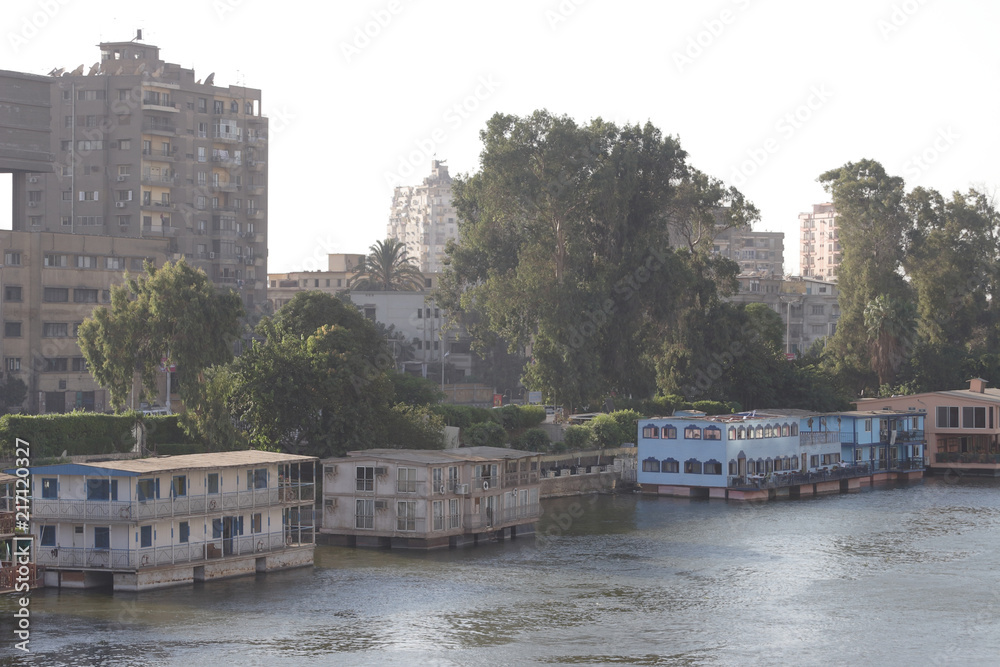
column 131, row 559
column 844, row 471
column 966, row 457
column 10, row 575
column 155, row 508
column 7, row 523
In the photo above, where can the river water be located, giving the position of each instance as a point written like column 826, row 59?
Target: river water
column 906, row 575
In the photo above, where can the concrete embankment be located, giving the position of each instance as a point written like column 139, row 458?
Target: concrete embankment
column 582, row 473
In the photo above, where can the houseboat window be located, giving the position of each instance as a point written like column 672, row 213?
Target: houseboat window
column 732, row 433
column 365, row 478
column 255, row 522
column 102, row 489
column 750, row 435
column 438, row 513
column 692, row 467
column 859, row 454
column 406, row 480
column 768, row 465
column 712, row 433
column 868, row 425
column 784, row 430
column 759, row 432
column 779, row 465
column 364, row 513
column 713, row 467
column 49, row 488
column 947, row 417
column 453, row 513
column 406, row 515
column 147, row 488
column 48, row 536
column 257, row 479
column 145, row 536
column 814, row 461
column 184, row 532
column 178, row 486
column 767, row 431
column 692, row 433
column 651, row 465
column 795, row 429
column 650, row 432
column 669, row 432
column 213, row 482
column 670, row 465
column 437, row 477
column 216, row 528
column 102, row 537
column 734, row 467
column 453, row 477
column 741, row 434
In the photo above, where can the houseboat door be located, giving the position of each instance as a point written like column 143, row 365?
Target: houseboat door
column 742, row 465
column 228, row 525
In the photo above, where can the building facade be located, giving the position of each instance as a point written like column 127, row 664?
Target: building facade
column 51, row 283
column 142, row 149
column 151, row 523
column 429, row 499
column 820, row 252
column 761, row 256
column 962, row 426
column 424, row 218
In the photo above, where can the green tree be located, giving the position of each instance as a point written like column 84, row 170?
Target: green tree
column 173, row 312
column 13, row 391
column 890, row 327
column 565, row 248
column 387, row 269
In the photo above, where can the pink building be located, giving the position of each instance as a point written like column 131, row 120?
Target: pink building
column 962, row 426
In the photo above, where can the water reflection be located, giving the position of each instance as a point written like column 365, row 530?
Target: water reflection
column 608, row 580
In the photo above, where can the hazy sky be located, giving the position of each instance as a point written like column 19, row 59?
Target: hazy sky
column 765, row 94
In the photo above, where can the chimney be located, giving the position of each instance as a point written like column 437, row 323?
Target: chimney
column 977, row 385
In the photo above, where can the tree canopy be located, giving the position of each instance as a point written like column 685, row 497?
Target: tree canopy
column 387, row 269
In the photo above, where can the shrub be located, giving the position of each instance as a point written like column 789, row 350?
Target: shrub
column 712, row 407
column 75, row 433
column 415, row 427
column 164, row 429
column 484, row 434
column 607, row 431
column 535, row 440
column 463, row 416
column 577, row 437
column 626, row 419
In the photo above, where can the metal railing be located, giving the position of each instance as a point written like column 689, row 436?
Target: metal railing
column 966, row 457
column 842, row 471
column 499, row 518
column 155, row 556
column 155, row 508
column 10, row 576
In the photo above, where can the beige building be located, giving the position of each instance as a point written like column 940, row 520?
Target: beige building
column 424, row 218
column 341, row 268
column 51, row 283
column 761, row 256
column 820, row 252
column 144, row 149
column 404, row 498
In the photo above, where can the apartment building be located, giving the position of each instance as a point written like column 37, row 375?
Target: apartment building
column 143, row 149
column 341, row 267
column 761, row 256
column 424, row 218
column 820, row 252
column 424, row 499
column 150, row 523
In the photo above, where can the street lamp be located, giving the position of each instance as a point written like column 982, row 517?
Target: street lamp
column 443, row 357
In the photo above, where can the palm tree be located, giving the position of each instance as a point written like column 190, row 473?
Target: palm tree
column 890, row 327
column 387, row 269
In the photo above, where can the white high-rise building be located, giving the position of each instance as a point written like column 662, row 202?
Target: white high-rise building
column 820, row 245
column 424, row 219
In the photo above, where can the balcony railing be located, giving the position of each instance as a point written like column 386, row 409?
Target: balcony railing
column 838, row 472
column 495, row 519
column 141, row 510
column 10, row 577
column 155, row 556
column 515, row 479
column 963, row 457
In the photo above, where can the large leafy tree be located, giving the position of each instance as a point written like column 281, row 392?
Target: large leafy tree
column 565, row 248
column 387, row 269
column 890, row 326
column 174, row 312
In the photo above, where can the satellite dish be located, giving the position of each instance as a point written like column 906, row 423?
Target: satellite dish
column 93, row 69
column 77, row 72
column 210, row 79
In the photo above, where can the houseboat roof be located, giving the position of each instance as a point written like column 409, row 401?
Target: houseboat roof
column 988, row 395
column 135, row 467
column 442, row 456
column 762, row 415
column 7, row 479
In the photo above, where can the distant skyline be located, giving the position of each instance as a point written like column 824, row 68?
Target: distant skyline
column 763, row 94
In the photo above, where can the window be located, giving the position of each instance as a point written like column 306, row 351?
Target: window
column 947, row 417
column 713, row 467
column 257, row 479
column 55, row 330
column 78, row 365
column 713, row 433
column 692, row 433
column 147, row 488
column 84, row 295
column 56, row 364
column 90, row 95
column 365, row 478
column 650, row 431
column 437, row 512
column 818, row 310
column 178, row 486
column 114, row 263
column 47, row 535
column 784, row 430
column 364, row 513
column 732, row 433
column 651, row 465
column 669, row 432
column 125, row 144
column 255, row 522
column 12, row 329
column 406, row 515
column 50, row 488
column 13, row 364
column 213, row 482
column 406, row 480
column 145, row 536
column 814, row 461
column 973, row 417
column 12, row 258
column 217, row 106
column 102, row 489
column 57, row 261
column 868, row 425
column 183, row 532
column 692, row 467
column 12, row 293
column 794, row 429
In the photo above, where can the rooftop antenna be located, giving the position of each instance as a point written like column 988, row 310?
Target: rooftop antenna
column 138, row 35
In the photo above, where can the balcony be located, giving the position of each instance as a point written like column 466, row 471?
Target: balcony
column 227, row 137
column 255, row 213
column 157, row 179
column 152, row 104
column 143, row 510
column 256, row 165
column 171, row 554
column 162, row 129
column 966, row 457
column 159, row 155
column 835, row 472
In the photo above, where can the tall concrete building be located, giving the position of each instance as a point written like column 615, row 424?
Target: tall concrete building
column 820, row 246
column 761, row 256
column 424, row 219
column 143, row 149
